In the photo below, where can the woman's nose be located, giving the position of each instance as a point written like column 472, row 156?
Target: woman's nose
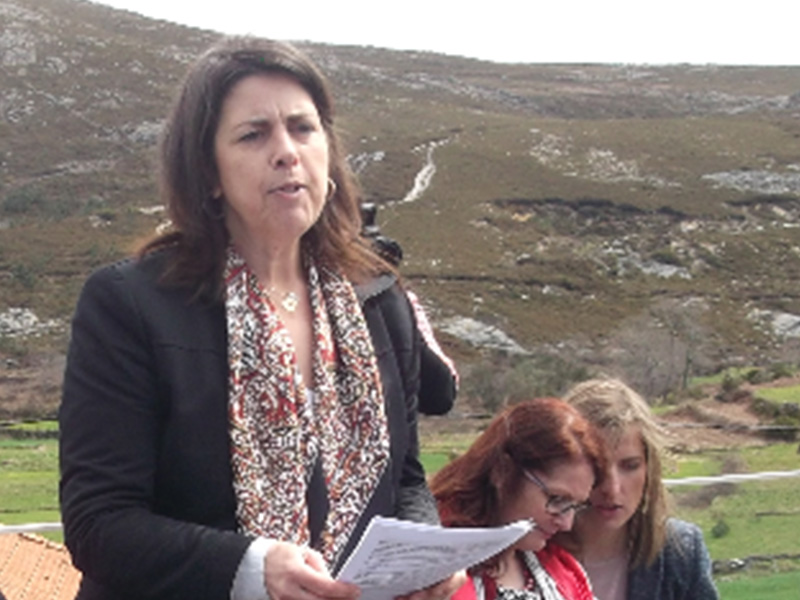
column 284, row 152
column 611, row 483
column 565, row 520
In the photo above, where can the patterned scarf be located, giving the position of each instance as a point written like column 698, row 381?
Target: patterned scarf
column 486, row 587
column 278, row 434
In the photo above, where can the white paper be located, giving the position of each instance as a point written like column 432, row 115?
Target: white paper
column 397, row 557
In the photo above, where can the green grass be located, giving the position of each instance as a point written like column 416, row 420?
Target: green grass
column 716, row 378
column 29, row 482
column 761, row 517
column 23, row 456
column 789, row 393
column 29, row 479
column 781, row 586
column 775, row 457
column 39, row 426
column 695, row 465
column 433, row 461
column 742, row 506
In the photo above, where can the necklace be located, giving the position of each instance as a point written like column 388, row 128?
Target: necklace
column 289, row 300
column 530, row 582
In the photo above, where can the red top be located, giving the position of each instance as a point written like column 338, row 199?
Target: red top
column 569, row 576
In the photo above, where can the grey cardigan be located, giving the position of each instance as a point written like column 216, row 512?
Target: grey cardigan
column 682, row 571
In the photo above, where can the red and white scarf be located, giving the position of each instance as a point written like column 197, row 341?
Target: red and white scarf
column 277, row 434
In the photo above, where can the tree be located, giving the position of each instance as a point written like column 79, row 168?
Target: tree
column 661, row 349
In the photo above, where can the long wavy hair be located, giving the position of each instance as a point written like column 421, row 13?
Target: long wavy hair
column 538, row 435
column 614, row 408
column 189, row 172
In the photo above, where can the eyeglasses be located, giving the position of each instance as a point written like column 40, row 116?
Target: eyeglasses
column 556, row 505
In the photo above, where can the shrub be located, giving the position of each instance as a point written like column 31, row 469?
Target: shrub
column 785, row 429
column 779, row 370
column 543, row 376
column 667, row 256
column 756, row 376
column 720, row 529
column 484, row 382
column 12, row 349
column 694, row 392
column 25, row 200
column 511, row 380
column 730, row 382
column 764, row 408
column 791, row 409
column 25, row 274
column 32, row 201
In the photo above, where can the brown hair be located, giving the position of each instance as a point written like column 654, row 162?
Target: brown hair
column 613, row 408
column 189, row 171
column 535, row 435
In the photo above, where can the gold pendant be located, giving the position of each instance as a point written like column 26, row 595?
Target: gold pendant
column 290, row 301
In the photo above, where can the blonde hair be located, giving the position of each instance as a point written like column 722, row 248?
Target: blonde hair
column 613, row 407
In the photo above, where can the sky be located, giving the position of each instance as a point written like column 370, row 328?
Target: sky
column 766, row 32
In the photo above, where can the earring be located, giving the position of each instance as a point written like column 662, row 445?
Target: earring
column 332, row 187
column 213, row 208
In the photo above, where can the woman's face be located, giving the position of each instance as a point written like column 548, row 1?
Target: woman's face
column 271, row 153
column 566, row 483
column 617, row 498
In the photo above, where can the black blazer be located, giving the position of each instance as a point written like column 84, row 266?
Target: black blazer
column 146, row 485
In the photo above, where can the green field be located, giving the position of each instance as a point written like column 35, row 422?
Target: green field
column 781, row 394
column 29, row 483
column 781, row 586
column 760, row 518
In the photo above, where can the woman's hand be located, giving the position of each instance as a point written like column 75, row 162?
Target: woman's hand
column 293, row 572
column 439, row 591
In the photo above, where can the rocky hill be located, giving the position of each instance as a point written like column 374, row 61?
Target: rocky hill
column 639, row 219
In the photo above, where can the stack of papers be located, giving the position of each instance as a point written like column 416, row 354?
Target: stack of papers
column 397, row 557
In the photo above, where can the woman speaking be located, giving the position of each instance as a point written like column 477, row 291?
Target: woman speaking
column 240, row 399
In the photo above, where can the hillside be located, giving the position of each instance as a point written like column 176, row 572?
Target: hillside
column 637, row 219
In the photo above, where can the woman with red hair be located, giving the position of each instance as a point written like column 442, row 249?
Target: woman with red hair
column 536, row 460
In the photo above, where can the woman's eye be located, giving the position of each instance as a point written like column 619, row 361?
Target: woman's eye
column 250, row 136
column 304, row 128
column 631, row 465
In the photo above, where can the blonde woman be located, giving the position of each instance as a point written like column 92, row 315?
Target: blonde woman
column 625, row 541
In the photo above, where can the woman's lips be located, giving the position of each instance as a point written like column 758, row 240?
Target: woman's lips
column 287, row 188
column 607, row 510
